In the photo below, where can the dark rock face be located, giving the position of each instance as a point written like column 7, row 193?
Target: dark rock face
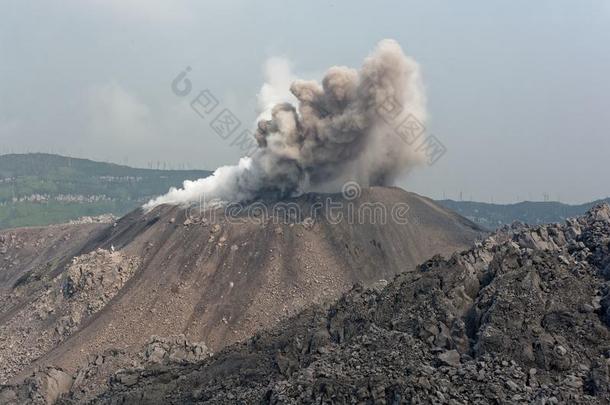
column 46, row 384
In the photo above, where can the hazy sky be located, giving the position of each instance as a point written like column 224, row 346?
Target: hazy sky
column 518, row 91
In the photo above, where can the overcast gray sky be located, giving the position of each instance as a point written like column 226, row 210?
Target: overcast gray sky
column 518, row 91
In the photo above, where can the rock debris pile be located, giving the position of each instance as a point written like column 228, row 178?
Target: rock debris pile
column 59, row 307
column 46, row 384
column 524, row 316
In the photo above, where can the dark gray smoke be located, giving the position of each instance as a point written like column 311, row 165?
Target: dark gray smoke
column 335, row 135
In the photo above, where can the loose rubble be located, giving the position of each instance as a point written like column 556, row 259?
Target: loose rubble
column 211, row 278
column 46, row 385
column 60, row 307
column 524, row 316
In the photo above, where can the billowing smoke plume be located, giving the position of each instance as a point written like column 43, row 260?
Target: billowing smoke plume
column 335, row 134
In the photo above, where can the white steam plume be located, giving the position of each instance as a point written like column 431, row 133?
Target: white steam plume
column 335, row 134
column 276, row 89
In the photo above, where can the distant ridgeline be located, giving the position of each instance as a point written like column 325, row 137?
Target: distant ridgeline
column 42, row 189
column 492, row 216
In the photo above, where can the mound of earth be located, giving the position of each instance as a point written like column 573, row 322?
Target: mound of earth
column 29, row 254
column 523, row 316
column 217, row 276
column 56, row 311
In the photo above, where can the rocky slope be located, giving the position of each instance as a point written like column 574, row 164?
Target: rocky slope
column 523, row 316
column 216, row 279
column 28, row 254
column 53, row 313
column 47, row 384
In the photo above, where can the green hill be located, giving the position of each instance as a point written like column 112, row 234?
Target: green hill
column 42, row 189
column 493, row 216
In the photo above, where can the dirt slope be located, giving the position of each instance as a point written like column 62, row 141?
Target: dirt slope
column 37, row 250
column 220, row 279
column 523, row 317
column 30, row 257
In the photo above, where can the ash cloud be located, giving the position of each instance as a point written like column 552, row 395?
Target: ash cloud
column 334, row 134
